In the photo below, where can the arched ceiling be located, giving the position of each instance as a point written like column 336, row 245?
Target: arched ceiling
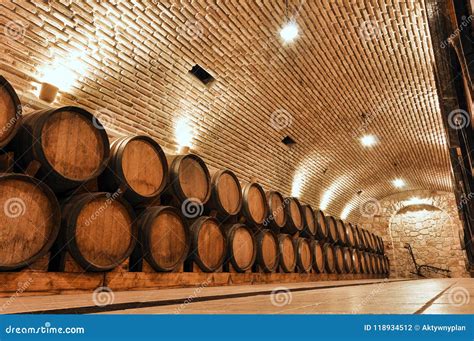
column 358, row 67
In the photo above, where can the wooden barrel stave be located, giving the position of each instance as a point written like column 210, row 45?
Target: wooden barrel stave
column 329, row 258
column 226, row 193
column 322, row 228
column 295, row 220
column 287, row 252
column 276, row 217
column 254, row 204
column 332, row 230
column 318, row 256
column 304, row 257
column 310, row 224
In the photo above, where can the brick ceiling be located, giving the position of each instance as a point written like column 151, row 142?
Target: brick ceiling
column 358, row 67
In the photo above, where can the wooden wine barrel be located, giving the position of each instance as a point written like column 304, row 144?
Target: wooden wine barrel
column 99, row 230
column 208, row 244
column 363, row 237
column 356, row 236
column 360, row 238
column 382, row 246
column 370, row 263
column 371, row 239
column 295, row 218
column 241, row 247
column 69, row 144
column 30, row 220
column 10, row 112
column 339, row 254
column 364, row 262
column 329, row 258
column 276, row 218
column 341, row 232
column 226, row 193
column 375, row 263
column 332, row 230
column 189, row 180
column 318, row 256
column 304, row 258
column 267, row 251
column 138, row 167
column 287, row 253
column 322, row 227
column 356, row 261
column 164, row 238
column 350, row 237
column 310, row 224
column 348, row 264
column 254, row 204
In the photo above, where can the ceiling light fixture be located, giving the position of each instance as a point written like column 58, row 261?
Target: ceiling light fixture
column 398, row 183
column 289, row 31
column 368, row 140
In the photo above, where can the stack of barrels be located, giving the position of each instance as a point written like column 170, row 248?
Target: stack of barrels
column 76, row 196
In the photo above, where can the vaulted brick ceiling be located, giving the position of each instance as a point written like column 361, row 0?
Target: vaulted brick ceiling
column 353, row 59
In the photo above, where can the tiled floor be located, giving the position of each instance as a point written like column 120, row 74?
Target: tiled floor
column 432, row 296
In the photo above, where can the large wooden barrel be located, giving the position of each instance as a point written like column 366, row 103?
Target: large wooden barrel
column 99, row 230
column 355, row 261
column 295, row 218
column 226, row 193
column 341, row 232
column 208, row 244
column 363, row 238
column 329, row 258
column 138, row 167
column 287, row 253
column 241, row 247
column 371, row 241
column 360, row 238
column 254, row 204
column 276, row 218
column 164, row 238
column 304, row 257
column 348, row 264
column 370, row 262
column 189, row 183
column 332, row 230
column 350, row 237
column 339, row 254
column 322, row 228
column 69, row 144
column 318, row 256
column 310, row 224
column 10, row 112
column 267, row 251
column 30, row 219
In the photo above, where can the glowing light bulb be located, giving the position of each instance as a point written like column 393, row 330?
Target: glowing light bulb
column 368, row 140
column 398, row 183
column 289, row 31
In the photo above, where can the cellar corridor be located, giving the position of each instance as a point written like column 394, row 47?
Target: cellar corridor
column 430, row 296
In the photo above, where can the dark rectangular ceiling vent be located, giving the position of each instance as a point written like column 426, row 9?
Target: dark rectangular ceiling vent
column 201, row 74
column 288, row 141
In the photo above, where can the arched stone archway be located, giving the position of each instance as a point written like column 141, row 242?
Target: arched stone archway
column 428, row 221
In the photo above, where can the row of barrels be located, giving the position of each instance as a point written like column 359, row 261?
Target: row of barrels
column 70, row 147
